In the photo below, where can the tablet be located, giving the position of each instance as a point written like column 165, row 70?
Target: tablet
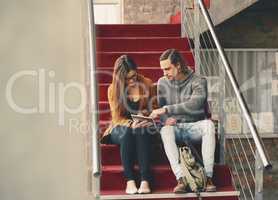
column 142, row 118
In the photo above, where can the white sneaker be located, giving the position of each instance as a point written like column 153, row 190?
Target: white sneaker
column 131, row 187
column 144, row 188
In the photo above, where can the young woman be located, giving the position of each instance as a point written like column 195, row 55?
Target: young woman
column 131, row 93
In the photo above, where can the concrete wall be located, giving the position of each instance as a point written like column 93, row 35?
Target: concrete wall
column 40, row 158
column 255, row 27
column 221, row 10
column 156, row 11
column 149, row 12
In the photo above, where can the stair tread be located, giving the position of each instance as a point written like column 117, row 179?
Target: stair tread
column 139, row 52
column 119, row 168
column 168, row 193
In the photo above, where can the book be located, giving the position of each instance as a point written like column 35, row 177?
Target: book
column 144, row 118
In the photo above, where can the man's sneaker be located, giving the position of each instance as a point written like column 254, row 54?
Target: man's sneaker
column 210, row 187
column 180, row 187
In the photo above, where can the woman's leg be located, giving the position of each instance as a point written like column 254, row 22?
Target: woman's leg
column 143, row 152
column 124, row 137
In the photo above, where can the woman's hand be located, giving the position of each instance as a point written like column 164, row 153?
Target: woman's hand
column 140, row 124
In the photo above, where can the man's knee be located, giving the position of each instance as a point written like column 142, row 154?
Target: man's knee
column 208, row 127
column 167, row 132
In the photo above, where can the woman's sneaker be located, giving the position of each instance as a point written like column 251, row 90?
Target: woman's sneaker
column 144, row 188
column 131, row 187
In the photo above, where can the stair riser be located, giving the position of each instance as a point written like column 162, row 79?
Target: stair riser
column 105, row 76
column 163, row 179
column 105, row 59
column 132, row 45
column 132, row 30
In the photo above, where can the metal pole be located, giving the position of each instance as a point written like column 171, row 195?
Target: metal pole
column 259, row 176
column 196, row 29
column 235, row 86
column 93, row 104
column 182, row 18
column 222, row 115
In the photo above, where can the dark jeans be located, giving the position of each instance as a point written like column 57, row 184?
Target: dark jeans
column 133, row 142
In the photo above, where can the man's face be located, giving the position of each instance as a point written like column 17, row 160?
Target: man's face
column 169, row 70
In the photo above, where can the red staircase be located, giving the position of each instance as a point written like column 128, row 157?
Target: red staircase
column 144, row 43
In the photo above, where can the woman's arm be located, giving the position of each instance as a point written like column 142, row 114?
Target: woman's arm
column 116, row 117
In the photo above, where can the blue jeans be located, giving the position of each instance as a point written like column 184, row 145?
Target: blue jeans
column 134, row 143
column 201, row 131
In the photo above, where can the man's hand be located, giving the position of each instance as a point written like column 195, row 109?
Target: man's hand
column 170, row 121
column 157, row 112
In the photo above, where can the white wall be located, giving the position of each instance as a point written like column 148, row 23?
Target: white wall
column 40, row 159
column 108, row 11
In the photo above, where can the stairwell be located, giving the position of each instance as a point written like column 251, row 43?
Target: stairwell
column 144, row 43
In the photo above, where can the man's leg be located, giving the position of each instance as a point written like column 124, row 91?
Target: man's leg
column 171, row 149
column 204, row 131
column 169, row 141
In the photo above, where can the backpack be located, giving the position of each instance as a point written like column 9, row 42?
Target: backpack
column 195, row 177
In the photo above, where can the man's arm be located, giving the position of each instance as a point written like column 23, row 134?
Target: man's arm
column 194, row 105
column 161, row 100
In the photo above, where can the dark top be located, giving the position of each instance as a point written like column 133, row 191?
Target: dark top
column 132, row 108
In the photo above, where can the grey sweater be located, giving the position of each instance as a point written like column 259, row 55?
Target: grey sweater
column 184, row 100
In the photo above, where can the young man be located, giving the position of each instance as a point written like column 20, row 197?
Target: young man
column 182, row 98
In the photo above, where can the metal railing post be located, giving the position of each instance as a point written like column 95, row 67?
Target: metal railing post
column 197, row 33
column 231, row 76
column 93, row 101
column 182, row 5
column 222, row 114
column 259, row 173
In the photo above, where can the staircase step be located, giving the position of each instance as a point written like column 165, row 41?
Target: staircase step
column 141, row 44
column 223, row 193
column 138, row 30
column 104, row 110
column 163, row 178
column 105, row 75
column 142, row 59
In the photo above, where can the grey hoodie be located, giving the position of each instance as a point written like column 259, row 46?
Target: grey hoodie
column 184, row 100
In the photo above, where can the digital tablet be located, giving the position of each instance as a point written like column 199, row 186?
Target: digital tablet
column 144, row 118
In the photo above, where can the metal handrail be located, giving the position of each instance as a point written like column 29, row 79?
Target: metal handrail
column 94, row 122
column 231, row 76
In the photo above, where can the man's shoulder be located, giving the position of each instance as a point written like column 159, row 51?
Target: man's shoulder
column 198, row 78
column 162, row 80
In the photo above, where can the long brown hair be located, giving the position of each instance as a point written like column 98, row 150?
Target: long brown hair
column 123, row 65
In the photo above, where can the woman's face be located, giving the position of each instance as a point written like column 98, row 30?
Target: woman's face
column 131, row 78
